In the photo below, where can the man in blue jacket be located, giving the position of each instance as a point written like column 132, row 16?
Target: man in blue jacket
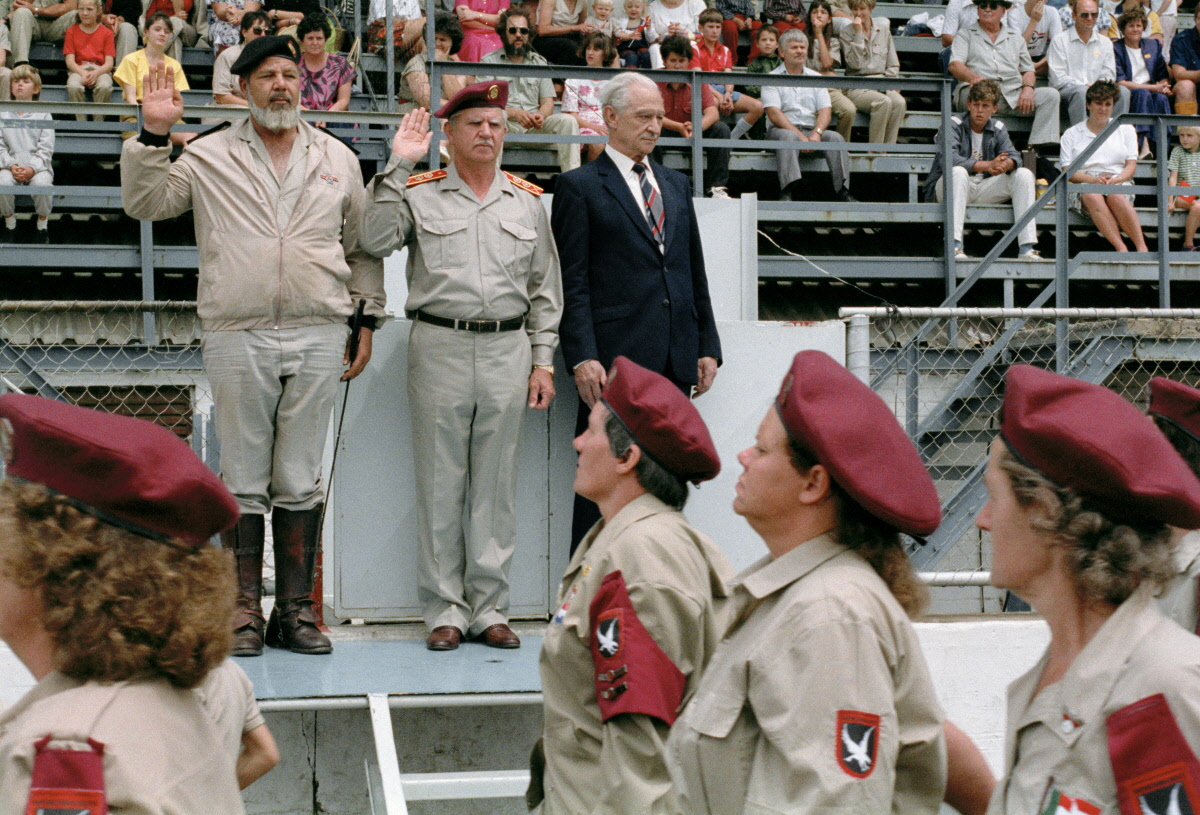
column 986, row 168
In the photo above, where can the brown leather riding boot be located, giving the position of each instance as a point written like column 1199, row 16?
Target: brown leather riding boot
column 245, row 540
column 293, row 623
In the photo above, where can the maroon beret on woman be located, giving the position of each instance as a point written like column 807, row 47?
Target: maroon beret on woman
column 1086, row 437
column 1177, row 403
column 127, row 472
column 856, row 437
column 662, row 420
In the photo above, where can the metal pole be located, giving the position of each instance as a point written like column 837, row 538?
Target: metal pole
column 697, row 132
column 912, row 392
column 1164, row 230
column 1061, row 275
column 858, row 347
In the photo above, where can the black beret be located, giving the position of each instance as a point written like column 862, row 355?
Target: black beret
column 255, row 51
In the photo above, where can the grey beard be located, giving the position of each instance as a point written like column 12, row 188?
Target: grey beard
column 275, row 120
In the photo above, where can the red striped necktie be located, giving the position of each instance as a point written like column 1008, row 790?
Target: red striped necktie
column 654, row 207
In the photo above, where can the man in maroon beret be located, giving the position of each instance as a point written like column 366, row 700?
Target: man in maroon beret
column 485, row 296
column 637, row 617
column 1175, row 408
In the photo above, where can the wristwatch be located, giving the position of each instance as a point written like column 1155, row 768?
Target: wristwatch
column 547, row 368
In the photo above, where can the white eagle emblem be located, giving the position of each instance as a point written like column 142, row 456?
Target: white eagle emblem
column 608, row 636
column 857, row 751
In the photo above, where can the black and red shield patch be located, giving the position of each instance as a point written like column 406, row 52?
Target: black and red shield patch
column 857, row 742
column 608, row 632
column 1166, row 791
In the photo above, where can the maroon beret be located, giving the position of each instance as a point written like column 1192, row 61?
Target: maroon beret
column 490, row 94
column 1177, row 403
column 1088, row 438
column 853, row 433
column 127, row 472
column 662, row 420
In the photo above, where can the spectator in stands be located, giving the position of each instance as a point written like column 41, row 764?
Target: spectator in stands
column 1038, row 25
column 670, row 17
column 225, row 22
column 601, row 18
column 1185, row 66
column 183, row 30
column 285, row 15
column 5, row 45
column 738, row 17
column 635, row 35
column 26, row 153
column 133, row 69
column 561, row 25
column 785, row 14
column 868, row 50
column 478, row 19
column 121, row 16
column 711, row 55
column 414, row 92
column 40, row 20
column 226, row 89
column 530, row 99
column 1114, row 162
column 824, row 55
column 1184, row 167
column 89, row 51
column 989, row 49
column 1154, row 30
column 766, row 59
column 1142, row 71
column 408, row 26
column 581, row 97
column 802, row 114
column 677, row 102
column 986, row 168
column 325, row 79
column 1081, row 57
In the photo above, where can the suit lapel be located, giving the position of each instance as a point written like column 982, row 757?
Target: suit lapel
column 611, row 178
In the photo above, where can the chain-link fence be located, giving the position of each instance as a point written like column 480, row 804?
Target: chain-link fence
column 944, row 378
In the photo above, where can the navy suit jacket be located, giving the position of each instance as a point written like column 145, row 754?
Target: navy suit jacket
column 1151, row 53
column 621, row 295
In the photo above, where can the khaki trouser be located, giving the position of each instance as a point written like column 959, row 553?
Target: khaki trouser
column 101, row 91
column 843, row 111
column 24, row 28
column 467, row 396
column 559, row 124
column 887, row 112
column 273, row 394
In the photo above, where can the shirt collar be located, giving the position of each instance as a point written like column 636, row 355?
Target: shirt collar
column 624, row 163
column 769, row 575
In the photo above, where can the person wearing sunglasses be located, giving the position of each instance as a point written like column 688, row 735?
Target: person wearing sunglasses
column 225, row 86
column 530, row 99
column 1080, row 58
column 989, row 49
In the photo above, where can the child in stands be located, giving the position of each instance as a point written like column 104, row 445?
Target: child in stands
column 766, row 43
column 90, row 53
column 25, row 154
column 134, row 68
column 601, row 17
column 1184, row 165
column 712, row 55
column 635, row 35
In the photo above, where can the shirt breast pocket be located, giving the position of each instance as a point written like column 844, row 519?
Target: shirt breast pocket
column 444, row 243
column 519, row 242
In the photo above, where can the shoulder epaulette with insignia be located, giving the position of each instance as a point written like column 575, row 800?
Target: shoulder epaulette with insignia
column 421, row 178
column 521, row 183
column 210, row 131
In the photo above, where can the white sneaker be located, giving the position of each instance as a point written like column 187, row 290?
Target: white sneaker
column 718, row 192
column 1030, row 254
column 961, row 255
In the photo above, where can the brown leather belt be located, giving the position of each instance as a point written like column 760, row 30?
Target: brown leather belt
column 478, row 326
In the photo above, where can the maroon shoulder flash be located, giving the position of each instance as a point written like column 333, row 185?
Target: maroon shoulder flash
column 633, row 675
column 67, row 781
column 857, row 742
column 1153, row 765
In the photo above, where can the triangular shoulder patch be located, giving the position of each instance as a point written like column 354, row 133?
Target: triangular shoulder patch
column 421, row 178
column 520, row 183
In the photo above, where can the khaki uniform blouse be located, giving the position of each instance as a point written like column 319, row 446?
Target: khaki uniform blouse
column 162, row 752
column 821, row 645
column 1058, row 739
column 1178, row 599
column 675, row 577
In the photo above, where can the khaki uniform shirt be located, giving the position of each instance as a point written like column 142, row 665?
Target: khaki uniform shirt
column 1004, row 60
column 524, row 92
column 228, row 696
column 1059, row 740
column 1178, row 598
column 162, row 754
column 816, row 632
column 675, row 577
column 870, row 56
column 469, row 259
column 274, row 253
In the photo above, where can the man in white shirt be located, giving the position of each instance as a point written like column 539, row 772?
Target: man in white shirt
column 1080, row 57
column 802, row 114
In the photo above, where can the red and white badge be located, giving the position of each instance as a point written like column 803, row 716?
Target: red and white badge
column 67, row 782
column 857, row 742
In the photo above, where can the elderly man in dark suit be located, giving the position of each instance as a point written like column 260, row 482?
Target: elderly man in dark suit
column 632, row 263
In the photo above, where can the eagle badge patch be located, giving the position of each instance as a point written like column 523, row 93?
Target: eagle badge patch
column 1167, row 791
column 857, row 742
column 608, row 633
